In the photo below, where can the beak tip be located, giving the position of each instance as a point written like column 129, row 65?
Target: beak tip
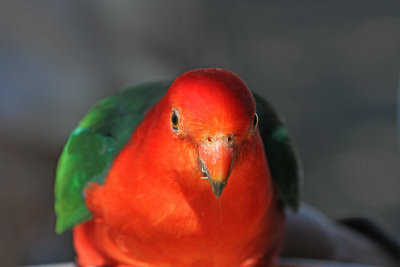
column 218, row 187
column 217, row 194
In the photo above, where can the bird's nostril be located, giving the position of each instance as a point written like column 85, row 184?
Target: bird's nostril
column 227, row 139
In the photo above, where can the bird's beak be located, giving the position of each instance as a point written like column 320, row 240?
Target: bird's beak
column 216, row 159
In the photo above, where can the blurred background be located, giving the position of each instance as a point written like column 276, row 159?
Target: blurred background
column 330, row 67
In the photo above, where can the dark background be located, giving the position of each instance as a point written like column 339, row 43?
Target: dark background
column 330, row 67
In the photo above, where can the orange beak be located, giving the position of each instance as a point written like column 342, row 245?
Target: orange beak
column 216, row 159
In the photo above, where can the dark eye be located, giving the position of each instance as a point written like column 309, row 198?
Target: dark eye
column 175, row 120
column 255, row 121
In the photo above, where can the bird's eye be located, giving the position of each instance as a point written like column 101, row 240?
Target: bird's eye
column 175, row 120
column 255, row 121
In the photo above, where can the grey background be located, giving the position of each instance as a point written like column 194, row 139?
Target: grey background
column 330, row 67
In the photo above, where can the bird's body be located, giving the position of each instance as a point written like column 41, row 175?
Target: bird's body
column 171, row 224
column 154, row 208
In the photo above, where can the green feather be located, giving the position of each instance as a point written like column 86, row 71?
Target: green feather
column 282, row 159
column 92, row 147
column 101, row 134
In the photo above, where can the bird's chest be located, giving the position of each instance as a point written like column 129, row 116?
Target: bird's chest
column 158, row 226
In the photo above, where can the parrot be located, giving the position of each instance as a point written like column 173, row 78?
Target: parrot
column 191, row 172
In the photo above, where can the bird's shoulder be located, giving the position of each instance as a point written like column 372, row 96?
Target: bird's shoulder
column 282, row 158
column 93, row 145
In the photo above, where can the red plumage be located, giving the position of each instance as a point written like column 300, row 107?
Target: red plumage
column 155, row 210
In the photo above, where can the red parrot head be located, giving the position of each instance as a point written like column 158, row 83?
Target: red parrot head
column 214, row 110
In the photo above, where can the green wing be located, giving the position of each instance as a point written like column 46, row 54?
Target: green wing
column 92, row 146
column 282, row 159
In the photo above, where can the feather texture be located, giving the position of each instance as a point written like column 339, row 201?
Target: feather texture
column 103, row 132
column 92, row 147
